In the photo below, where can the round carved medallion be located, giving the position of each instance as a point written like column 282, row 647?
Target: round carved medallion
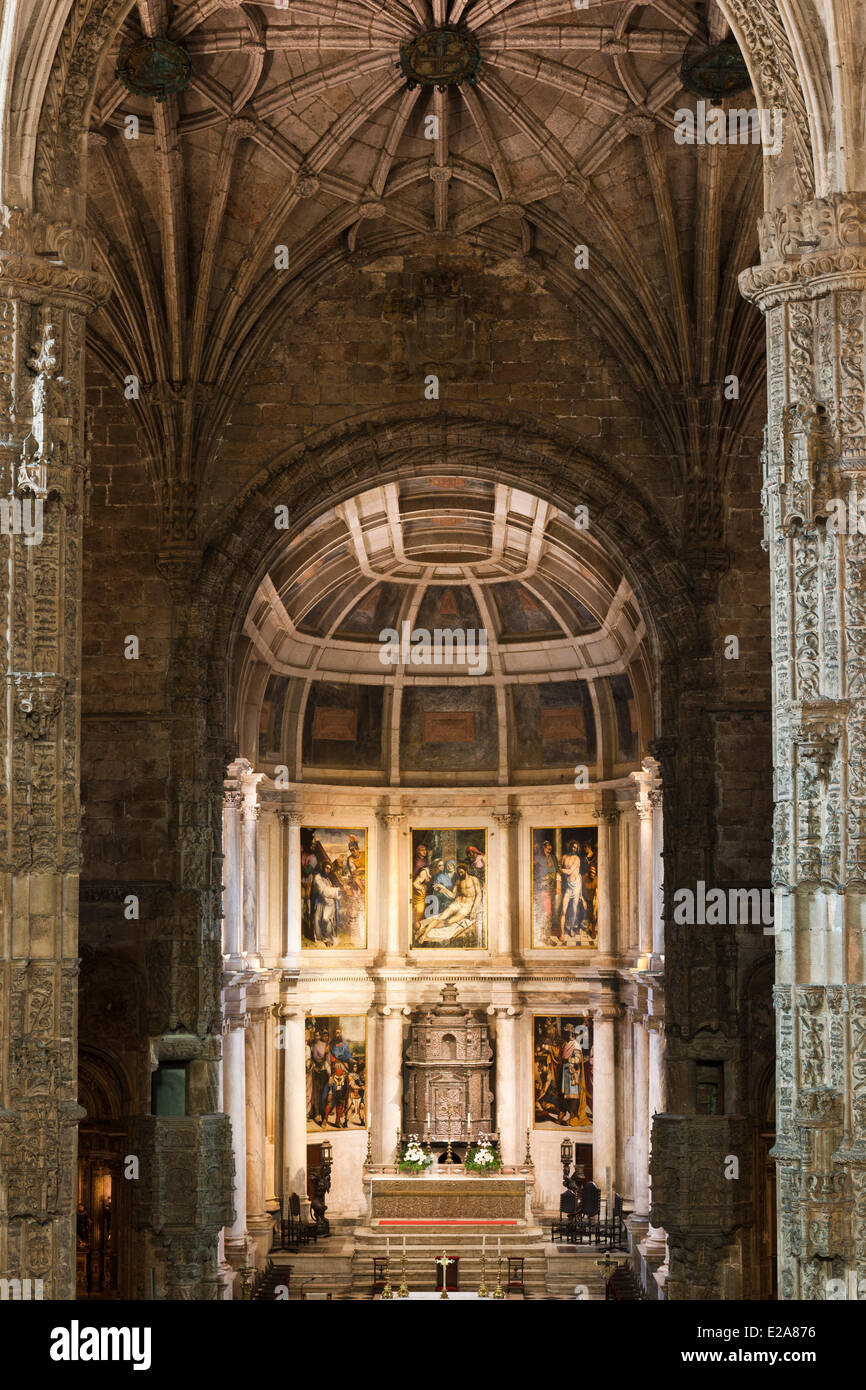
column 440, row 58
column 154, row 68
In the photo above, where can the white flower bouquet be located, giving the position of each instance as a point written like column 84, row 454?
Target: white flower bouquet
column 414, row 1158
column 481, row 1157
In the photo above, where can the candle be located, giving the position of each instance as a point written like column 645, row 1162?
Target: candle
column 387, row 1246
column 428, row 1119
column 499, row 1245
column 483, row 1244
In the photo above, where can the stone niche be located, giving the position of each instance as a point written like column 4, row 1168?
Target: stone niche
column 447, row 1074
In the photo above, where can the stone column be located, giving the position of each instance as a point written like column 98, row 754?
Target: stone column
column 811, row 287
column 232, row 868
column 645, row 900
column 291, row 822
column 258, row 1221
column 604, row 1095
column 293, row 1088
column 390, row 887
column 640, row 1037
column 46, row 292
column 390, row 1108
column 234, row 1099
column 608, row 870
column 250, row 892
column 507, row 1084
column 505, row 942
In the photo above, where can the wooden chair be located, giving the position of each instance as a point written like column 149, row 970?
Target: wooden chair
column 514, row 1283
column 612, row 1229
column 587, row 1219
column 302, row 1231
column 564, row 1228
column 451, row 1276
column 379, row 1280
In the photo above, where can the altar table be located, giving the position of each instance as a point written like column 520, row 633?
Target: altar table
column 450, row 1299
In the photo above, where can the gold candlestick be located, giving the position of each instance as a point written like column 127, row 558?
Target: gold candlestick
column 403, row 1291
column 387, row 1292
column 483, row 1291
column 499, row 1292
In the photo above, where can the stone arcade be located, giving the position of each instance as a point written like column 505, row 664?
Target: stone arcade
column 326, row 322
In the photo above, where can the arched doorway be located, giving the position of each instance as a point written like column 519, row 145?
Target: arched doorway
column 103, row 1199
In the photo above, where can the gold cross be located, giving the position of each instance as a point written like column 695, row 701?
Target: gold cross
column 444, row 1261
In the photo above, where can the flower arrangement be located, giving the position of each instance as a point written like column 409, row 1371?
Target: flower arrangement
column 482, row 1157
column 414, row 1158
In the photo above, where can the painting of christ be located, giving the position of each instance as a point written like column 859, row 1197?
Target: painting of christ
column 562, row 1063
column 565, row 887
column 333, row 902
column 448, row 904
column 336, row 1067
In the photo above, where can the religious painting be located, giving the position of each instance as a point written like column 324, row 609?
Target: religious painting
column 336, row 1066
column 562, row 1071
column 333, row 889
column 449, row 870
column 565, row 887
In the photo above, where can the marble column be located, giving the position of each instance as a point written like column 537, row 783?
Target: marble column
column 258, row 1221
column 505, row 943
column 604, row 1095
column 250, row 890
column 293, row 1117
column 234, row 1099
column 390, row 1090
column 390, row 886
column 46, row 291
column 291, row 822
column 640, row 1051
column 644, row 809
column 811, row 288
column 232, row 868
column 608, row 870
column 507, row 1084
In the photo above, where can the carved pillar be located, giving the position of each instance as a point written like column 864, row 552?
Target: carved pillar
column 811, row 287
column 46, row 292
column 234, row 1099
column 392, row 821
column 505, row 940
column 249, row 840
column 604, row 1096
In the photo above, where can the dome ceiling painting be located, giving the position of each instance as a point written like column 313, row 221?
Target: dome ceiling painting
column 564, row 677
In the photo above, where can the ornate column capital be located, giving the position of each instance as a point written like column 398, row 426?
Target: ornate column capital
column 290, row 817
column 235, row 1022
column 392, row 819
column 40, row 259
column 608, row 1012
column 808, row 249
column 507, row 819
column 606, row 817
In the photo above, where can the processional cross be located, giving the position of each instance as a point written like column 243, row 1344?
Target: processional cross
column 444, row 1261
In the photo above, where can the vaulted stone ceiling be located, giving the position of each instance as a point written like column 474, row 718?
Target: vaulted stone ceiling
column 298, row 130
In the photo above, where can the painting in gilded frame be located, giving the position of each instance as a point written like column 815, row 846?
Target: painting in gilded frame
column 565, row 887
column 449, row 872
column 562, row 1063
column 333, row 888
column 336, row 1063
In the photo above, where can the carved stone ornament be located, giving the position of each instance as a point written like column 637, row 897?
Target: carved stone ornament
column 38, row 698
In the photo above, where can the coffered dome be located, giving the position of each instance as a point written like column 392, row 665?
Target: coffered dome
column 445, row 629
